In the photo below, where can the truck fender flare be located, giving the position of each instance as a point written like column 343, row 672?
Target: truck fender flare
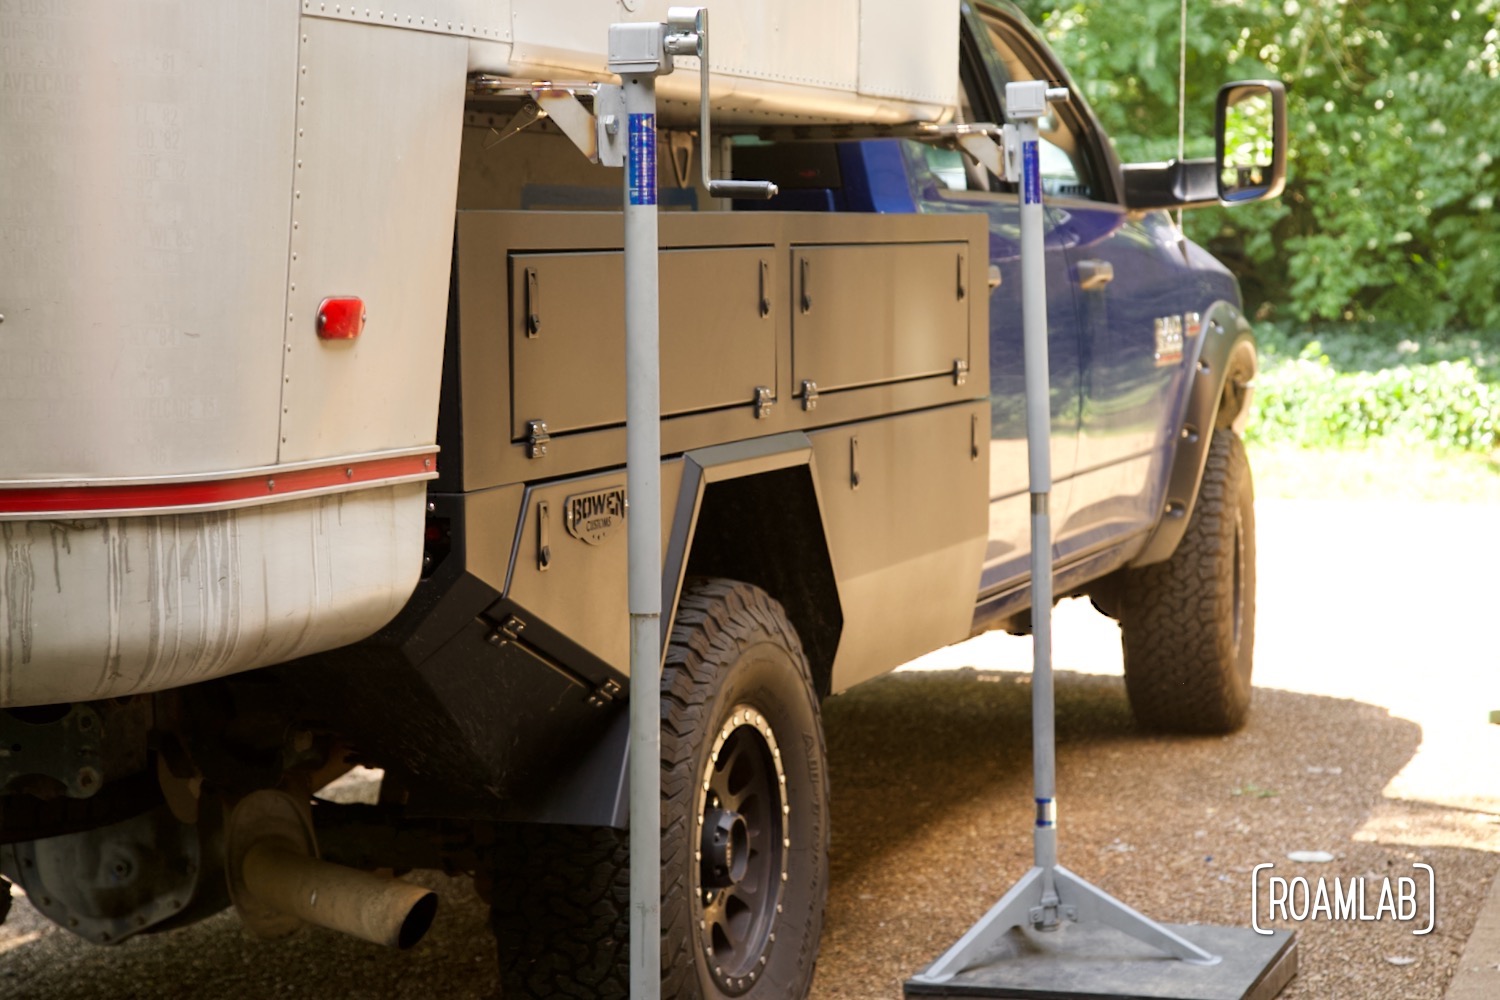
column 770, row 479
column 1224, row 368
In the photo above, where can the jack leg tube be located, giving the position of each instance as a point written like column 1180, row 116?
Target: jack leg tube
column 643, row 528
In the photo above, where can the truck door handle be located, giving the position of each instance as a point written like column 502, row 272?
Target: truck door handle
column 1094, row 274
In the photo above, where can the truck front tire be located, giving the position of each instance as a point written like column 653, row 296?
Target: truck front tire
column 1188, row 624
column 744, row 827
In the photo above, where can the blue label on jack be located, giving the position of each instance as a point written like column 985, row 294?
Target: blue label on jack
column 1031, row 173
column 642, row 159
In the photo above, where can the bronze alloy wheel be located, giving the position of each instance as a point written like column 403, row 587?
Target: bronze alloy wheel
column 744, row 847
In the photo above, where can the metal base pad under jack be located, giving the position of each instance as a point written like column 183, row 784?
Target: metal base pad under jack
column 1091, row 960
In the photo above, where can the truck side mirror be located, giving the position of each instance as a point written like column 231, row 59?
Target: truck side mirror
column 1251, row 128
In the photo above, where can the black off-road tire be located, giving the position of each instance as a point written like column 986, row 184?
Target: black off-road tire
column 561, row 912
column 1189, row 623
column 739, row 714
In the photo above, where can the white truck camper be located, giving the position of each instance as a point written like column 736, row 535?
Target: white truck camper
column 226, row 240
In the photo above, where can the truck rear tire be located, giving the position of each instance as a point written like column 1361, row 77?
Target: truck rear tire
column 1188, row 624
column 744, row 827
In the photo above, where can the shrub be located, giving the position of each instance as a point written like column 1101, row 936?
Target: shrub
column 1363, row 390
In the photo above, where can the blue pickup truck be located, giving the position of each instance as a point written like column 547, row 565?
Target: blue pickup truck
column 845, row 488
column 1151, row 365
column 1152, row 361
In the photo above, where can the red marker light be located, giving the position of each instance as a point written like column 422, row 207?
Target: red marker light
column 341, row 318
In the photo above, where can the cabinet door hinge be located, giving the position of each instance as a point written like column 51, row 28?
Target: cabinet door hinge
column 508, row 630
column 604, row 693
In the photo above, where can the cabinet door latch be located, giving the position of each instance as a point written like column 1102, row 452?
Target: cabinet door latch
column 764, row 398
column 543, row 543
column 533, row 304
column 537, row 438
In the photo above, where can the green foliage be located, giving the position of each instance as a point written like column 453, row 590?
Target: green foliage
column 1354, row 387
column 1394, row 138
column 1369, row 347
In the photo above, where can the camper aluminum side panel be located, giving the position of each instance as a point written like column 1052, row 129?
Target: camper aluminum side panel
column 182, row 186
column 145, row 174
column 838, row 60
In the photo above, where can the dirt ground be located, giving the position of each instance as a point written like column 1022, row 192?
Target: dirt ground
column 1376, row 670
column 1172, row 826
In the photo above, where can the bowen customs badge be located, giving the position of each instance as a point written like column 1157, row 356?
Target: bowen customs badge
column 593, row 517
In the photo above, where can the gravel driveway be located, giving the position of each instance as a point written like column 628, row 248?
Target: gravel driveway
column 1368, row 740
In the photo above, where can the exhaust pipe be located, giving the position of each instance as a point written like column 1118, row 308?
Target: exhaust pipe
column 383, row 910
column 278, row 884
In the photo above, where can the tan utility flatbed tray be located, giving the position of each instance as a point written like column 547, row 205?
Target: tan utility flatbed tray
column 770, row 322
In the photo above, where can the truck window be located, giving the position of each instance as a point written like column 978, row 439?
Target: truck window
column 1067, row 160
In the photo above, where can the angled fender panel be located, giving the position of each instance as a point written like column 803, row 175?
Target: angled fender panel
column 751, row 511
column 1225, row 366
